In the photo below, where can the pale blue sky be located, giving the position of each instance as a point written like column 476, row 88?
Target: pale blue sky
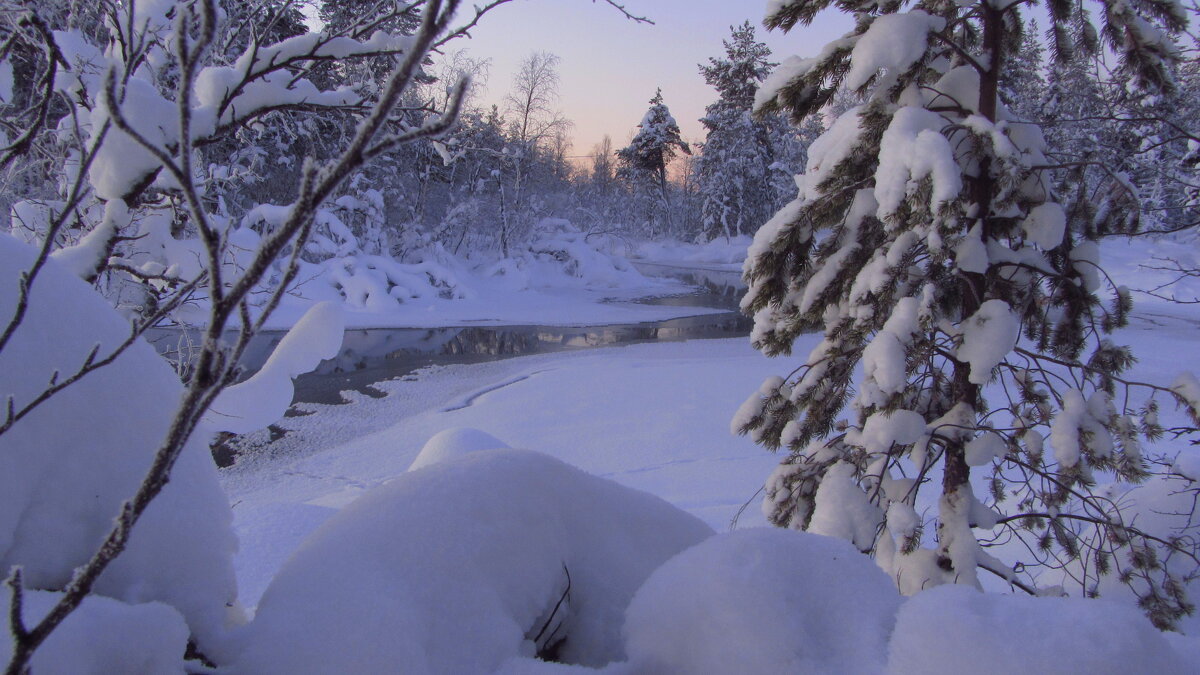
column 611, row 66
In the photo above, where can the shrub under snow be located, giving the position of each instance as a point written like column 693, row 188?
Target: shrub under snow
column 457, row 567
column 105, row 636
column 67, row 466
column 763, row 601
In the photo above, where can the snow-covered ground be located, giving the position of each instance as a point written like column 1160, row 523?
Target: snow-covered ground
column 655, row 417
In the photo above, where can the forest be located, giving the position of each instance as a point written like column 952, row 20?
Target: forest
column 322, row 349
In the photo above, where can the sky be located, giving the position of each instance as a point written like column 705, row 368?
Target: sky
column 611, row 66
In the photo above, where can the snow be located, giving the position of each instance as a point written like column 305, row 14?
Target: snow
column 841, row 508
column 265, row 397
column 86, row 256
column 1188, row 388
column 825, row 153
column 452, row 444
column 1064, row 431
column 1045, row 225
column 564, row 277
column 104, row 636
column 988, row 336
column 476, row 551
column 1187, row 464
column 882, row 429
column 763, row 601
column 893, row 43
column 652, row 417
column 913, row 148
column 67, row 466
column 953, row 630
column 883, row 358
column 984, row 448
column 719, row 253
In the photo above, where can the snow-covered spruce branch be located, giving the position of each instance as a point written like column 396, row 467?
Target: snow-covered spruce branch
column 928, row 238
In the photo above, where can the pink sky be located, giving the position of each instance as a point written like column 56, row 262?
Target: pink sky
column 611, row 66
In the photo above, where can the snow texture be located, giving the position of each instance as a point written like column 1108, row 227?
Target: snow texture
column 1187, row 464
column 454, row 443
column 763, row 601
column 988, row 336
column 913, row 148
column 843, row 510
column 953, row 629
column 1045, row 225
column 472, row 556
column 104, row 636
column 66, row 467
column 1188, row 388
column 893, row 43
column 86, row 256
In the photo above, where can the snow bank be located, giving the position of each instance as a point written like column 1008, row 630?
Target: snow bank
column 719, row 251
column 763, row 601
column 66, row 467
column 954, row 629
column 104, row 636
column 457, row 567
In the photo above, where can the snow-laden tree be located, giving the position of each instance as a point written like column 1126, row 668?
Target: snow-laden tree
column 959, row 296
column 735, row 168
column 643, row 166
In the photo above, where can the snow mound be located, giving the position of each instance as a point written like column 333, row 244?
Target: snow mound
column 763, row 601
column 104, row 636
column 67, row 466
column 466, row 565
column 955, row 629
column 454, row 443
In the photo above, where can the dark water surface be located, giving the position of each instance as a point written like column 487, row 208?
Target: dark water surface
column 373, row 355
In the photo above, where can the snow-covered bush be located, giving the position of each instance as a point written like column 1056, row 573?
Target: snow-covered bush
column 106, row 636
column 131, row 97
column 464, row 564
column 763, row 601
column 67, row 465
column 564, row 251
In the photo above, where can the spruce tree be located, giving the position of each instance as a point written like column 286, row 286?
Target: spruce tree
column 958, row 298
column 734, row 170
column 643, row 164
